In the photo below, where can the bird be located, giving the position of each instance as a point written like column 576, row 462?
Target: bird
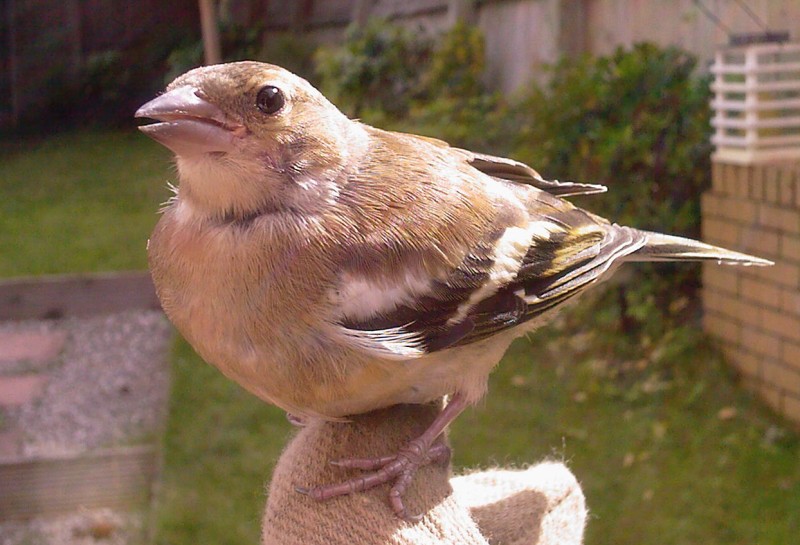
column 332, row 268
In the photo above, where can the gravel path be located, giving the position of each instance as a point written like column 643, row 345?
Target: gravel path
column 88, row 527
column 109, row 386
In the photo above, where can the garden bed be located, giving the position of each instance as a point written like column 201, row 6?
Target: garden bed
column 84, row 383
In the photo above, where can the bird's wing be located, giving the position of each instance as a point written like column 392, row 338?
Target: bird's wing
column 514, row 171
column 511, row 170
column 505, row 280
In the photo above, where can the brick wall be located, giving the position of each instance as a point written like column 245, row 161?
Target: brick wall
column 755, row 311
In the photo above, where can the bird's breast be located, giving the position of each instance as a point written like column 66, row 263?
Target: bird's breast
column 236, row 295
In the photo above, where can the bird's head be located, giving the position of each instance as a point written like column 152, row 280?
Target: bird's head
column 251, row 137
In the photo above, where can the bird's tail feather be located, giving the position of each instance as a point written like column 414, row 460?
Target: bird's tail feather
column 660, row 247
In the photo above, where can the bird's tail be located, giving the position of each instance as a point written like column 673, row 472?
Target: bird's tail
column 658, row 247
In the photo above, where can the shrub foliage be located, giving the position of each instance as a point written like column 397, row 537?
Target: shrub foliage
column 376, row 70
column 638, row 122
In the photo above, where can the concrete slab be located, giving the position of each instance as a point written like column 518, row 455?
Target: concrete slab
column 10, row 441
column 35, row 346
column 20, row 389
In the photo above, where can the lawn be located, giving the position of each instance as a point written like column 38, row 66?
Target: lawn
column 79, row 202
column 668, row 449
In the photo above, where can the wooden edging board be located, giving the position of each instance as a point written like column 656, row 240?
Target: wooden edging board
column 120, row 477
column 51, row 297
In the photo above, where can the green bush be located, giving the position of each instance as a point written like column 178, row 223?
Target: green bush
column 237, row 42
column 290, row 51
column 106, row 88
column 637, row 121
column 454, row 104
column 428, row 84
column 377, row 70
column 457, row 64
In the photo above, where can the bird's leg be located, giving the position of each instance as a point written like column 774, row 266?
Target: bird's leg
column 400, row 467
column 297, row 421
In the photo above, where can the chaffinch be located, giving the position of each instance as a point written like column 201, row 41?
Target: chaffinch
column 332, row 268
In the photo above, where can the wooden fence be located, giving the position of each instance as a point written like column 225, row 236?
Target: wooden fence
column 45, row 43
column 522, row 36
column 40, row 38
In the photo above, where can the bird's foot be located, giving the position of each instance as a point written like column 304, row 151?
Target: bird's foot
column 399, row 469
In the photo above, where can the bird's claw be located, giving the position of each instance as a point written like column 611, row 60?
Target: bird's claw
column 399, row 468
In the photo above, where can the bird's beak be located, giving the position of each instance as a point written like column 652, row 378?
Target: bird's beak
column 189, row 125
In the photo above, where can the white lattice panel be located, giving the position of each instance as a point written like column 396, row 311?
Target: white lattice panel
column 757, row 103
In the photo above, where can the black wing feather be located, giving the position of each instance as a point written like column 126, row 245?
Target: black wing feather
column 515, row 171
column 552, row 271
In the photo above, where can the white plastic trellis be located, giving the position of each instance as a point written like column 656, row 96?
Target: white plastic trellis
column 756, row 103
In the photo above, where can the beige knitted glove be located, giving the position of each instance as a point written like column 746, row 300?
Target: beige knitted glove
column 542, row 505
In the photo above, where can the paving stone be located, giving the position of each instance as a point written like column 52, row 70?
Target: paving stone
column 21, row 389
column 35, row 346
column 10, row 442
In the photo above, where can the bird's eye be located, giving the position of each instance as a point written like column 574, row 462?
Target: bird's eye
column 270, row 99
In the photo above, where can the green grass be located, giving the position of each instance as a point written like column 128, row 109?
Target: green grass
column 646, row 440
column 221, row 446
column 644, row 437
column 79, row 202
column 657, row 463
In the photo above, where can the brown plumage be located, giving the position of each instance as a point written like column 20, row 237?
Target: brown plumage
column 332, row 268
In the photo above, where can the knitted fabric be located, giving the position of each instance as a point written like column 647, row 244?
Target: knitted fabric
column 542, row 505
